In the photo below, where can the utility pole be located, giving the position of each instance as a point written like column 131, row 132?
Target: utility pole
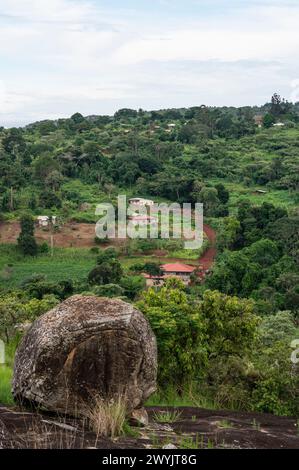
column 52, row 237
column 52, row 245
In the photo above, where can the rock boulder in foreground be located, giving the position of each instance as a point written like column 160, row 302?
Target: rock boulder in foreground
column 86, row 346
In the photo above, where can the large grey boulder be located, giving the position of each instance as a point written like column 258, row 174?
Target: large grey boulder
column 86, row 346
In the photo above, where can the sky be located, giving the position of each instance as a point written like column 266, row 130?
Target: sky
column 58, row 57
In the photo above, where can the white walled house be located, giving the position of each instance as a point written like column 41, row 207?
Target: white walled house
column 139, row 201
column 43, row 220
column 143, row 220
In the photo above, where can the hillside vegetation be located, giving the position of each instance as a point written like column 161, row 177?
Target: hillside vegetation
column 223, row 341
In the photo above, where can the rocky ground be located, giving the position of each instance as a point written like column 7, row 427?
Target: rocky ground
column 190, row 428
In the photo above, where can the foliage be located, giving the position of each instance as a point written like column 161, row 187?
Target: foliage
column 278, row 327
column 5, row 385
column 153, row 269
column 26, row 240
column 188, row 332
column 277, row 390
column 231, row 324
column 180, row 332
column 108, row 290
column 107, row 272
column 259, row 258
column 132, row 286
column 207, row 334
column 17, row 308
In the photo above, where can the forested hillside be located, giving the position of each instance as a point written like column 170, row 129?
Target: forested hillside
column 228, row 335
column 188, row 151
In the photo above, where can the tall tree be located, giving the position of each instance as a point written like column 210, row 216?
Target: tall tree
column 26, row 240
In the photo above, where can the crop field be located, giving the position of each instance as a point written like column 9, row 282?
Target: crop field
column 66, row 263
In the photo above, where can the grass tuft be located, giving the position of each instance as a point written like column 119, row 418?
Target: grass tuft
column 225, row 424
column 107, row 418
column 167, row 416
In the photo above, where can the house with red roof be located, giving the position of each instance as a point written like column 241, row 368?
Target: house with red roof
column 181, row 270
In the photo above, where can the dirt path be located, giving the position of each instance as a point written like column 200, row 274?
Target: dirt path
column 207, row 259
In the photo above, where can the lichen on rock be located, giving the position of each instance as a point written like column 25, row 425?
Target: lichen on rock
column 86, row 346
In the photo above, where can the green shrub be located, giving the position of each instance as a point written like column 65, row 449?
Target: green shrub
column 5, row 385
column 108, row 290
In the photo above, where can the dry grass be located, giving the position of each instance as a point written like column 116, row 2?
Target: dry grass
column 107, row 417
column 104, row 418
column 39, row 435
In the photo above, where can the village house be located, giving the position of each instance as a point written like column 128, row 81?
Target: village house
column 143, row 220
column 180, row 270
column 139, row 201
column 44, row 220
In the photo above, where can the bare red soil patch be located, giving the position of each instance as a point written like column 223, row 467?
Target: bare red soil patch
column 70, row 235
column 82, row 235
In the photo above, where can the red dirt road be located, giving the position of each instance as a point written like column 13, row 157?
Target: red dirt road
column 207, row 260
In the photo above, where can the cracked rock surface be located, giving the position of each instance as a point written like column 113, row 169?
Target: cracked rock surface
column 194, row 428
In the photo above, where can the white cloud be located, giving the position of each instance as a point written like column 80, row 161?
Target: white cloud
column 61, row 56
column 44, row 10
column 210, row 45
column 264, row 33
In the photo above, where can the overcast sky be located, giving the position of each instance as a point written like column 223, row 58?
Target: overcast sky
column 58, row 57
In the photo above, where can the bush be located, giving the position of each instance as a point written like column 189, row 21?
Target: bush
column 101, row 241
column 137, row 268
column 153, row 269
column 108, row 290
column 132, row 286
column 27, row 245
column 108, row 272
column 277, row 389
column 49, row 199
column 180, row 332
column 107, row 255
column 37, row 286
column 44, row 248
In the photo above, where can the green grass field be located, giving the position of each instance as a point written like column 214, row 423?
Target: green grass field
column 237, row 191
column 71, row 263
column 67, row 263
